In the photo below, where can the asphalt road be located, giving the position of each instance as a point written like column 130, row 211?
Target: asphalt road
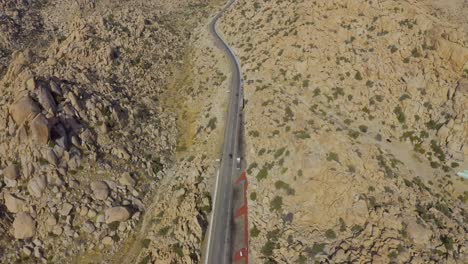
column 218, row 249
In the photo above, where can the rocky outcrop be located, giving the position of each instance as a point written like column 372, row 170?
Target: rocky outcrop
column 84, row 135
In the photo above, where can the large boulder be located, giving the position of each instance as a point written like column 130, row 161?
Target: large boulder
column 25, row 109
column 45, row 99
column 420, row 235
column 40, row 129
column 13, row 204
column 100, row 190
column 116, row 214
column 10, row 175
column 37, row 185
column 23, row 226
column 127, row 180
column 11, row 172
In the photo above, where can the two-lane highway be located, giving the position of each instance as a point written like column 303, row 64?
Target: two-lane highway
column 218, row 249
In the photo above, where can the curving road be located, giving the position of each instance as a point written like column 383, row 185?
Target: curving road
column 219, row 248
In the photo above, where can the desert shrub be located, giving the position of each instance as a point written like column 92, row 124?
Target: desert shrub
column 332, row 156
column 262, row 174
column 399, row 113
column 330, row 234
column 358, row 76
column 164, row 231
column 253, row 196
column 353, row 134
column 262, row 151
column 363, row 128
column 254, row 232
column 356, row 229
column 316, row 249
column 146, row 243
column 279, row 152
column 251, row 167
column 277, row 203
column 282, row 185
column 212, row 123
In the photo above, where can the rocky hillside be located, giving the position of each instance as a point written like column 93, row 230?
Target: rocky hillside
column 84, row 137
column 357, row 123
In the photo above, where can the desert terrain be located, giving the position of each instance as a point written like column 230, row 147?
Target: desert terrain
column 112, row 117
column 356, row 125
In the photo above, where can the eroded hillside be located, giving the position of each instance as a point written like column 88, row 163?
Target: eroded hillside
column 86, row 140
column 356, row 122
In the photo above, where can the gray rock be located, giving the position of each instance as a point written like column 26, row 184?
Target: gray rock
column 58, row 230
column 92, row 213
column 52, row 157
column 40, row 129
column 37, row 185
column 45, row 99
column 116, row 214
column 66, row 209
column 127, row 180
column 51, row 220
column 55, row 88
column 27, row 251
column 100, row 190
column 108, row 241
column 89, row 227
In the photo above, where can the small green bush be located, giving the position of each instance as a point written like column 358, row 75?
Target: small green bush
column 146, row 242
column 330, row 234
column 253, row 196
column 332, row 156
column 358, row 76
column 399, row 113
column 164, row 231
column 254, row 232
column 277, row 203
column 212, row 123
column 363, row 128
column 262, row 174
